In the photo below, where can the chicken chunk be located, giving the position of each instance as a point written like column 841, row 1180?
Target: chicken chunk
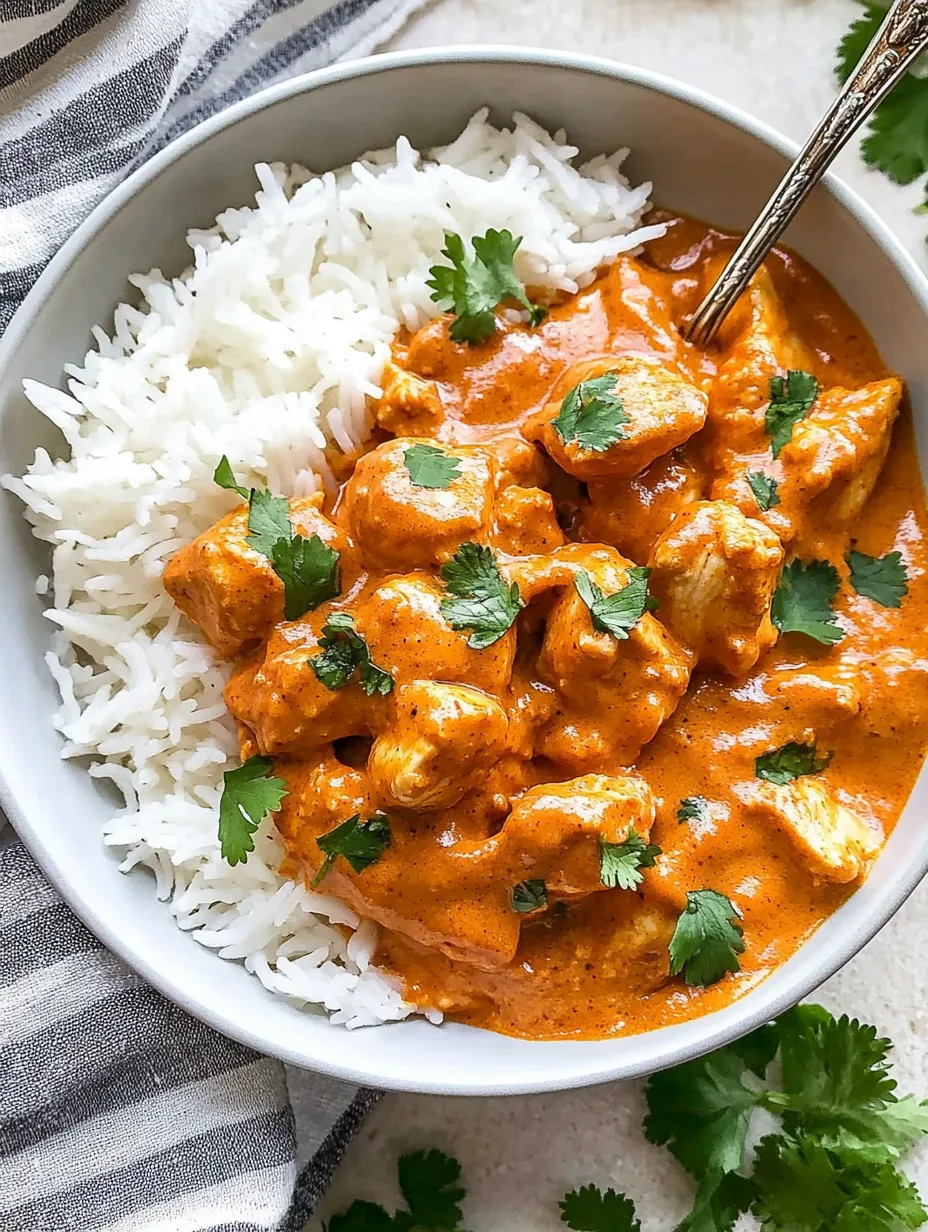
column 278, row 696
column 525, row 522
column 554, row 831
column 441, row 739
column 613, row 693
column 833, row 842
column 445, row 897
column 756, row 343
column 402, row 525
column 630, row 516
column 410, row 405
column 714, row 572
column 662, row 410
column 828, row 696
column 895, row 691
column 409, row 637
column 229, row 590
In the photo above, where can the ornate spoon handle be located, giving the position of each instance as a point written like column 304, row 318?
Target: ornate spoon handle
column 900, row 39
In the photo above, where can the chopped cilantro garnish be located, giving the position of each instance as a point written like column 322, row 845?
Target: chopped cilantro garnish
column 693, row 808
column 529, row 896
column 619, row 613
column 483, row 603
column 764, row 488
column 362, row 843
column 804, row 598
column 589, row 1210
column 249, row 793
column 306, row 565
column 343, row 651
column 430, row 467
column 707, row 939
column 881, row 578
column 792, row 761
column 791, row 399
column 473, row 287
column 620, row 863
column 592, row 414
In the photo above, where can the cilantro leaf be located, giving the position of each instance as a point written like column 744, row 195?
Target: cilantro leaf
column 430, row 1183
column 791, row 399
column 700, row 1110
column 707, row 940
column 791, row 761
column 693, row 808
column 362, row 843
column 361, row 1217
column 720, row 1198
column 483, row 603
column 764, row 488
column 249, row 793
column 474, row 287
column 344, row 650
column 309, row 571
column 592, row 414
column 620, row 612
column 224, row 476
column 805, row 1188
column 268, row 521
column 528, row 896
column 897, row 140
column 430, row 467
column 802, row 602
column 881, row 578
column 589, row 1210
column 620, row 863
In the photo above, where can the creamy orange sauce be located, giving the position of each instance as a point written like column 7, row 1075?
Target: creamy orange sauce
column 512, row 761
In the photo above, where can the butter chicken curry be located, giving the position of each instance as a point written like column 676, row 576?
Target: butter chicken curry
column 602, row 681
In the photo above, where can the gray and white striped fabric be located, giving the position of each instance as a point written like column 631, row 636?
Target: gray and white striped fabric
column 91, row 88
column 118, row 1113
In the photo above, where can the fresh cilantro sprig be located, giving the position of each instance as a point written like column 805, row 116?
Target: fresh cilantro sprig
column 306, row 565
column 362, row 843
column 804, row 598
column 764, row 488
column 473, row 287
column 482, row 601
column 791, row 761
column 791, row 399
column 430, row 467
column 589, row 1210
column 344, row 650
column 884, row 579
column 620, row 864
column 249, row 793
column 528, row 896
column 832, row 1168
column 707, row 939
column 618, row 613
column 430, row 1184
column 592, row 414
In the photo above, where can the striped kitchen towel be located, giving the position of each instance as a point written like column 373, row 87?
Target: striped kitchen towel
column 119, row 1113
column 91, row 88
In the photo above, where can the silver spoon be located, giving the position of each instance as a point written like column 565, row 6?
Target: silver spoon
column 900, row 39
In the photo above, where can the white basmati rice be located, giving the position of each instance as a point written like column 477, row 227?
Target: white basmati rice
column 268, row 347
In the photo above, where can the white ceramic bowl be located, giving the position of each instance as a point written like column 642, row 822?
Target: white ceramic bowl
column 706, row 159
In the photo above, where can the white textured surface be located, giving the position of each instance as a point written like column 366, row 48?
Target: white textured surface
column 772, row 57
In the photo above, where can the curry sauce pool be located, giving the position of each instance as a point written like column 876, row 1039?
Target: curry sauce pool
column 623, row 672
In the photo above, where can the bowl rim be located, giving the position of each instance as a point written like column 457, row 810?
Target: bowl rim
column 851, row 940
